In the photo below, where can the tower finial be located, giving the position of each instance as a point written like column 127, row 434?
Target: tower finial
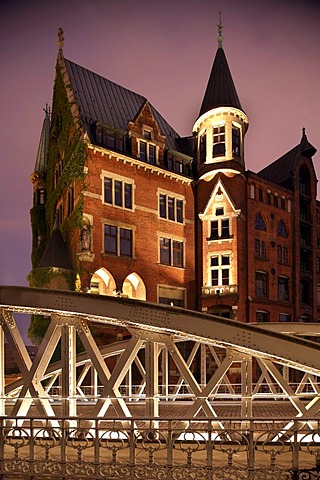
column 303, row 132
column 60, row 38
column 220, row 28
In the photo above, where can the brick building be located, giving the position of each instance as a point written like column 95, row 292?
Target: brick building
column 124, row 206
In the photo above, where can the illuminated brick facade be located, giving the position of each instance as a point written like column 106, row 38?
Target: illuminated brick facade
column 175, row 220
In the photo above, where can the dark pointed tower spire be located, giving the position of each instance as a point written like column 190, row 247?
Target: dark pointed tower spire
column 222, row 122
column 220, row 91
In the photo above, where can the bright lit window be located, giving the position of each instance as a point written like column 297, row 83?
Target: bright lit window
column 220, row 270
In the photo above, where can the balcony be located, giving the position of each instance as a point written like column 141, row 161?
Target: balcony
column 219, row 290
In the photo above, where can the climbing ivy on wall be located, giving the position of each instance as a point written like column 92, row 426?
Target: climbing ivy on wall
column 65, row 146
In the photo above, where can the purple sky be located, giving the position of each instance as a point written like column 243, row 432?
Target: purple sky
column 162, row 49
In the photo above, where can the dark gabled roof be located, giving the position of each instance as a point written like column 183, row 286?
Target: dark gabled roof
column 220, row 91
column 280, row 171
column 104, row 101
column 42, row 154
column 56, row 254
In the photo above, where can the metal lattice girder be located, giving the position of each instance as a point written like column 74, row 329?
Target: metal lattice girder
column 206, row 328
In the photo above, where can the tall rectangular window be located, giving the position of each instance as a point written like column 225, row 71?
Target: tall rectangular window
column 110, row 239
column 225, row 228
column 128, row 195
column 260, row 195
column 220, row 270
column 219, row 141
column 118, row 193
column 179, row 211
column 268, row 198
column 261, row 281
column 236, row 141
column 163, row 205
column 165, row 251
column 125, row 242
column 171, row 208
column 108, row 190
column 143, row 151
column 152, row 154
column 70, row 200
column 283, row 288
column 171, row 252
column 214, row 230
column 203, row 148
column 260, row 250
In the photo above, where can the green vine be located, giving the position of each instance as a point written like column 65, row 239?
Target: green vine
column 43, row 277
column 67, row 149
column 65, row 146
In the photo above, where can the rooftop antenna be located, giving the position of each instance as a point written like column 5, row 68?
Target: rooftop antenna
column 220, row 28
column 60, row 38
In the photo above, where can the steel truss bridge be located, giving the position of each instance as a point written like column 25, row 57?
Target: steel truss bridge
column 243, row 403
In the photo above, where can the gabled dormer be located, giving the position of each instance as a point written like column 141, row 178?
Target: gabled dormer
column 222, row 123
column 147, row 141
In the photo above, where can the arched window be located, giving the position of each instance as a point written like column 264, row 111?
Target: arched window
column 282, row 230
column 260, row 223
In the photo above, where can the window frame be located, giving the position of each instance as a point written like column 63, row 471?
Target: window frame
column 220, row 267
column 119, row 239
column 283, row 288
column 171, row 206
column 264, row 287
column 148, row 151
column 169, row 253
column 218, row 140
column 120, row 191
column 259, row 223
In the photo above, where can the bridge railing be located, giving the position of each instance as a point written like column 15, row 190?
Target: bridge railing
column 140, row 448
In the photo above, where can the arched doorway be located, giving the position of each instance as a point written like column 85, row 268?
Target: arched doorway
column 102, row 283
column 134, row 287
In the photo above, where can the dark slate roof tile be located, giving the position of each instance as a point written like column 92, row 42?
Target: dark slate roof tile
column 56, row 253
column 220, row 91
column 102, row 100
column 280, row 171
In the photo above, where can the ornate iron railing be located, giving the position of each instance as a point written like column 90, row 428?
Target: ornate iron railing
column 146, row 449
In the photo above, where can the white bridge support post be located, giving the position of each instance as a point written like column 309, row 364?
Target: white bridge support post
column 152, row 375
column 68, row 371
column 246, row 387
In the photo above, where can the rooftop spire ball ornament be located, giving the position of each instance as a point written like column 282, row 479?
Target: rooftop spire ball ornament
column 60, row 38
column 220, row 28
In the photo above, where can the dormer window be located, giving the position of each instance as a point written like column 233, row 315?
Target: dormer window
column 147, row 152
column 108, row 137
column 219, row 141
column 147, row 134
